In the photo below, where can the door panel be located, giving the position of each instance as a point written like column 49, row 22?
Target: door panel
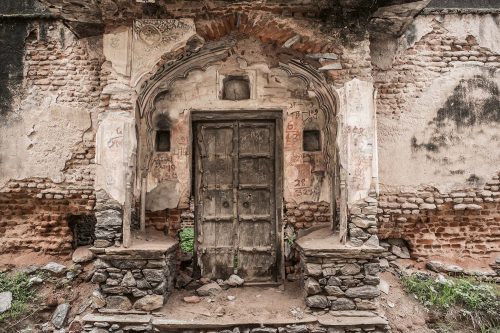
column 255, row 170
column 216, row 219
column 256, row 208
column 236, row 210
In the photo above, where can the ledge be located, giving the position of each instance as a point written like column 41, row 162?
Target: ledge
column 325, row 243
column 342, row 319
column 124, row 319
column 152, row 246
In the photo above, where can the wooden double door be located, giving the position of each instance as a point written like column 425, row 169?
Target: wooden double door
column 235, row 191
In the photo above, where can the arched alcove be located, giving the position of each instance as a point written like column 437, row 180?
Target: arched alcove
column 290, row 89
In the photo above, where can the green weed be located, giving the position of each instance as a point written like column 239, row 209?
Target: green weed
column 459, row 299
column 23, row 295
column 186, row 237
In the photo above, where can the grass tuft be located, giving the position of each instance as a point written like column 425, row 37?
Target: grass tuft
column 23, row 295
column 458, row 300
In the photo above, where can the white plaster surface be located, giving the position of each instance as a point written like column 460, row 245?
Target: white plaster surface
column 37, row 140
column 475, row 149
column 117, row 49
column 153, row 38
column 115, row 146
column 357, row 139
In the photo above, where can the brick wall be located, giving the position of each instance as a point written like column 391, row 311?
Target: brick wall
column 465, row 222
column 449, row 213
column 35, row 210
column 61, row 66
column 168, row 221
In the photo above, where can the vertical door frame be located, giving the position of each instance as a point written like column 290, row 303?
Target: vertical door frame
column 275, row 115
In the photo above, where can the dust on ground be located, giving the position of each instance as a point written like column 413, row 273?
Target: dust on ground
column 250, row 304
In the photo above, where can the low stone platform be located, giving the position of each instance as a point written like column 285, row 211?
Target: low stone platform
column 140, row 276
column 342, row 322
column 338, row 277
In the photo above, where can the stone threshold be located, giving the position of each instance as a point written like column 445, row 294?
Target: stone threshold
column 340, row 319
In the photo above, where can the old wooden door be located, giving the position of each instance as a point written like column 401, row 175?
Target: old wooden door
column 235, row 199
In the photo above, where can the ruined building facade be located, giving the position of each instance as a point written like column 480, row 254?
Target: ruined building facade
column 254, row 123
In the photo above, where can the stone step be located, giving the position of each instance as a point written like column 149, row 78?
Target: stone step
column 164, row 323
column 341, row 320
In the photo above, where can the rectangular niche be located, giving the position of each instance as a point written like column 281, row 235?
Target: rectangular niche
column 162, row 141
column 311, row 140
column 236, row 86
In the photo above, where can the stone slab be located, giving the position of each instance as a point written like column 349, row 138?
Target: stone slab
column 124, row 319
column 323, row 243
column 349, row 321
column 165, row 323
column 140, row 249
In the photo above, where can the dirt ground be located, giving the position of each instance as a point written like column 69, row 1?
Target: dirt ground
column 15, row 261
column 403, row 311
column 251, row 304
column 50, row 293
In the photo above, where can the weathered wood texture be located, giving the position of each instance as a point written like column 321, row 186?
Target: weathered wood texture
column 235, row 195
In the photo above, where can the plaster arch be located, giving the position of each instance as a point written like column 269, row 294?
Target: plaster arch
column 199, row 60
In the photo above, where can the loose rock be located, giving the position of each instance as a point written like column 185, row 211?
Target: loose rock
column 234, row 281
column 192, row 299
column 54, row 268
column 5, row 301
column 82, row 254
column 402, row 252
column 60, row 314
column 210, row 289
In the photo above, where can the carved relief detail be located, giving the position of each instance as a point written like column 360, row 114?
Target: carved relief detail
column 155, row 33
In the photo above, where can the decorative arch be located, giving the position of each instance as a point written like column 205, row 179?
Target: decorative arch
column 200, row 59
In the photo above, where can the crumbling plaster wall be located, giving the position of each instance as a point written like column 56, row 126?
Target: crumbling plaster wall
column 307, row 187
column 438, row 106
column 438, row 127
column 47, row 139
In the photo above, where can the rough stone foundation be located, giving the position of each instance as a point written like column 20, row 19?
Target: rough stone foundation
column 132, row 278
column 339, row 278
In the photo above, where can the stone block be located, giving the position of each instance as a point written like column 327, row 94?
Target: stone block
column 363, row 292
column 149, row 303
column 342, row 304
column 312, row 287
column 317, row 302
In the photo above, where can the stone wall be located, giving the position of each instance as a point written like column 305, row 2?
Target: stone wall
column 341, row 281
column 141, row 279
